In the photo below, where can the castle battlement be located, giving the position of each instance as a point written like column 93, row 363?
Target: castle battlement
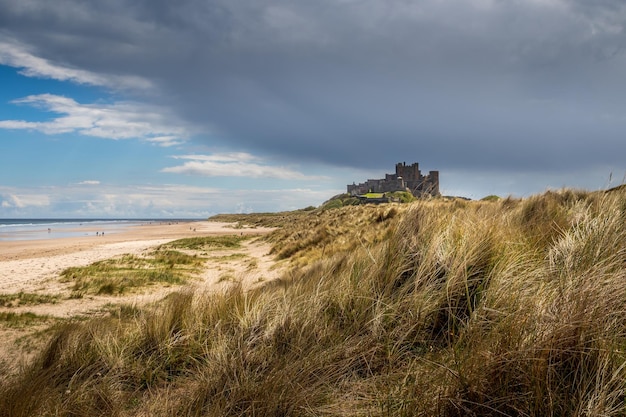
column 406, row 178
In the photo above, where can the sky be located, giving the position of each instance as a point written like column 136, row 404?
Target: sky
column 161, row 109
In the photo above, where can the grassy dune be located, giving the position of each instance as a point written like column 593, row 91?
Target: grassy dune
column 171, row 263
column 118, row 275
column 437, row 308
column 26, row 299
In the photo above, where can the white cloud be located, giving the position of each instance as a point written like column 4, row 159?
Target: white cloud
column 234, row 165
column 149, row 201
column 121, row 120
column 21, row 201
column 89, row 182
column 224, row 157
column 165, row 141
column 17, row 55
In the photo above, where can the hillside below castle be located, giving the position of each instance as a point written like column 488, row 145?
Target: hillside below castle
column 406, row 178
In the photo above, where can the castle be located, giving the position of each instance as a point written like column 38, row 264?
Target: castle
column 406, row 178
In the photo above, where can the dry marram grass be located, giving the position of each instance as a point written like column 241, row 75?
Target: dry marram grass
column 494, row 308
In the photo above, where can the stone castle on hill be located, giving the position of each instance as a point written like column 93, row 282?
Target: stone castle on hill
column 406, row 178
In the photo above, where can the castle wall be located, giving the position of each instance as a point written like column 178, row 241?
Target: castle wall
column 406, row 177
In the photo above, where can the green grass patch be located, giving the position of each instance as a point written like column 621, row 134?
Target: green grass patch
column 26, row 299
column 173, row 257
column 374, row 195
column 338, row 201
column 119, row 275
column 208, row 242
column 122, row 311
column 491, row 197
column 231, row 257
column 254, row 220
column 402, row 196
column 21, row 320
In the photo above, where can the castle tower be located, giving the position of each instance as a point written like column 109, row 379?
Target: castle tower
column 409, row 173
column 432, row 186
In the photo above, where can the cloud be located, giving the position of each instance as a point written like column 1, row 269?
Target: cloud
column 122, row 120
column 17, row 55
column 24, row 200
column 89, row 182
column 239, row 164
column 476, row 86
column 149, row 201
column 165, row 141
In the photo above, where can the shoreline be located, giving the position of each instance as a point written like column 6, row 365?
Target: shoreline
column 11, row 250
column 45, row 229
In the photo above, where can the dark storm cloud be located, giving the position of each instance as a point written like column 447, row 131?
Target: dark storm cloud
column 472, row 85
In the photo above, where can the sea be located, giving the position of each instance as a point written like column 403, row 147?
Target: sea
column 40, row 229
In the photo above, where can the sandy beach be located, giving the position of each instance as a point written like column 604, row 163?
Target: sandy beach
column 27, row 265
column 26, row 249
column 34, row 267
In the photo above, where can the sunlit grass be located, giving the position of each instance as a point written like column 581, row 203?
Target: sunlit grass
column 173, row 263
column 253, row 220
column 27, row 299
column 21, row 320
column 229, row 257
column 208, row 242
column 119, row 275
column 443, row 308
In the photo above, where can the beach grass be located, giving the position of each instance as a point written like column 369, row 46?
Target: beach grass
column 173, row 263
column 27, row 299
column 229, row 257
column 508, row 307
column 21, row 320
column 253, row 220
column 209, row 242
column 127, row 273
